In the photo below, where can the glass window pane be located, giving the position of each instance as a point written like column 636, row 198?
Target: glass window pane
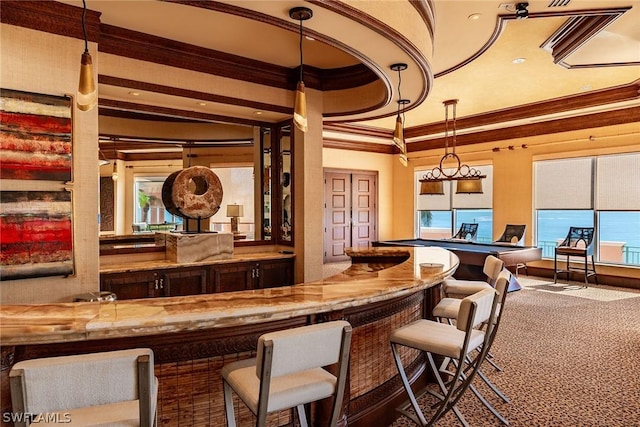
column 552, row 226
column 619, row 237
column 434, row 224
column 482, row 217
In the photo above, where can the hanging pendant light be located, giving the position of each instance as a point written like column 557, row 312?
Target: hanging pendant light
column 87, row 96
column 300, row 107
column 398, row 133
column 468, row 179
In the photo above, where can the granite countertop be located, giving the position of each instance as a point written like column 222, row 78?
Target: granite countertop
column 358, row 285
column 165, row 263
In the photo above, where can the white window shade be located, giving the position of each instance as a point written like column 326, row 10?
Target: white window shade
column 477, row 201
column 428, row 202
column 618, row 182
column 564, row 184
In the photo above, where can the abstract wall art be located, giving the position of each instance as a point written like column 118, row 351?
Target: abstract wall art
column 35, row 136
column 36, row 234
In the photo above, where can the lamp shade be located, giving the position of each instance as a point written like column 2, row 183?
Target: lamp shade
column 234, row 211
column 398, row 137
column 87, row 96
column 431, row 187
column 470, row 186
column 300, row 108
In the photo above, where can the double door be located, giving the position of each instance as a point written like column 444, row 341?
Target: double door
column 350, row 212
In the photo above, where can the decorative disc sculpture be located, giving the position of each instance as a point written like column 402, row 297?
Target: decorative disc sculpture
column 192, row 193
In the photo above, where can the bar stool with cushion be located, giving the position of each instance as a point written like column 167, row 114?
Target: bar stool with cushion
column 457, row 342
column 462, row 288
column 467, row 231
column 108, row 388
column 578, row 243
column 449, row 308
column 288, row 372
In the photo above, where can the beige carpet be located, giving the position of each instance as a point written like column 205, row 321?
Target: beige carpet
column 571, row 357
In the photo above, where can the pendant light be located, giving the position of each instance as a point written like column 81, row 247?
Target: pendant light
column 87, row 96
column 468, row 179
column 300, row 107
column 398, row 133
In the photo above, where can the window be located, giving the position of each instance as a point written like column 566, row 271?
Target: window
column 590, row 192
column 440, row 216
column 149, row 213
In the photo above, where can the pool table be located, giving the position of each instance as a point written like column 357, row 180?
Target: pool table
column 472, row 255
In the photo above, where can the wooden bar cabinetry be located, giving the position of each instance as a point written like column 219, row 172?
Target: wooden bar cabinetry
column 225, row 276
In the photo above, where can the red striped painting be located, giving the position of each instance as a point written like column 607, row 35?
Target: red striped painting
column 36, row 236
column 35, row 136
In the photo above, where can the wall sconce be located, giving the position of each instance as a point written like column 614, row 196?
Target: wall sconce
column 233, row 212
column 87, row 96
column 398, row 133
column 300, row 106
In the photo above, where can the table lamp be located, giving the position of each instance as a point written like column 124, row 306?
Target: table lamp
column 233, row 212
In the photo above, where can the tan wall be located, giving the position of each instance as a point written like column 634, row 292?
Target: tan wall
column 43, row 63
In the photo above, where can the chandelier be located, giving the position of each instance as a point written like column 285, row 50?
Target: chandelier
column 468, row 179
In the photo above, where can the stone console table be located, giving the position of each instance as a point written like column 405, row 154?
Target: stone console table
column 194, row 336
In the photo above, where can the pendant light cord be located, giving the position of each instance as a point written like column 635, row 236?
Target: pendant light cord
column 301, row 59
column 84, row 26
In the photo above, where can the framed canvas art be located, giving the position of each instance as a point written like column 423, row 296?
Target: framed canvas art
column 35, row 136
column 36, row 234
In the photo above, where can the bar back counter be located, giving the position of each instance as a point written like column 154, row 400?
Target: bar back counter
column 194, row 336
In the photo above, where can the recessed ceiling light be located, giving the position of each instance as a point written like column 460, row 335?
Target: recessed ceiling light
column 311, row 39
column 585, row 88
column 519, row 60
column 134, row 93
column 257, row 113
column 474, row 17
column 202, row 104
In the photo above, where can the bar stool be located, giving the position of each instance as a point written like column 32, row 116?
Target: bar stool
column 578, row 243
column 462, row 288
column 448, row 309
column 108, row 388
column 454, row 342
column 288, row 372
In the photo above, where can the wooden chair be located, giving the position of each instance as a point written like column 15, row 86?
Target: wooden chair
column 467, row 231
column 107, row 388
column 288, row 372
column 578, row 243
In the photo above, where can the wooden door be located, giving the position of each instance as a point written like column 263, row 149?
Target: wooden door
column 363, row 210
column 350, row 212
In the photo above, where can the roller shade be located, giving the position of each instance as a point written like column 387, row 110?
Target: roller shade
column 564, row 184
column 618, row 182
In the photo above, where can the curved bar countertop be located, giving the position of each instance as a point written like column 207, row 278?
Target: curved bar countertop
column 359, row 285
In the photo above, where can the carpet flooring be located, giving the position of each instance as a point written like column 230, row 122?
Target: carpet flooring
column 570, row 357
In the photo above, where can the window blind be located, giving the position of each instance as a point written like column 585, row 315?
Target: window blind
column 564, row 184
column 618, row 182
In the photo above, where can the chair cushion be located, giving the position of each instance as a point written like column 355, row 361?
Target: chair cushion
column 122, row 414
column 463, row 287
column 286, row 391
column 566, row 250
column 436, row 338
column 447, row 308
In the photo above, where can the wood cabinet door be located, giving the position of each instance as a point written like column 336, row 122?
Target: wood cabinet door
column 233, row 277
column 181, row 281
column 129, row 285
column 275, row 273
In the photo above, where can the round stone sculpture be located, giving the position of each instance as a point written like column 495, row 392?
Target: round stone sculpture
column 192, row 193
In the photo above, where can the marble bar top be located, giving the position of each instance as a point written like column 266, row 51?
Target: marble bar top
column 163, row 264
column 358, row 285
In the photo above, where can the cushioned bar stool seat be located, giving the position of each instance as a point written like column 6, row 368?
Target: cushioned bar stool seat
column 288, row 372
column 115, row 388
